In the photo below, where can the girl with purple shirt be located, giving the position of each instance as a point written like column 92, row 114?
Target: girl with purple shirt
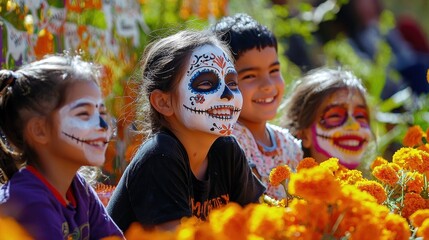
column 52, row 122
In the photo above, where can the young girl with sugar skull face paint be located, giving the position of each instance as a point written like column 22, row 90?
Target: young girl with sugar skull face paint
column 53, row 122
column 189, row 164
column 328, row 111
column 208, row 93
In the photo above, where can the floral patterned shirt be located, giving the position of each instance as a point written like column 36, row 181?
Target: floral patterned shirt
column 287, row 151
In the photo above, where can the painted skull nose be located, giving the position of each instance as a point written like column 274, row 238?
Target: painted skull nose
column 103, row 124
column 227, row 94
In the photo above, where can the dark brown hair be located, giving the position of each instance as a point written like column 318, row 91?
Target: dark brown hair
column 35, row 89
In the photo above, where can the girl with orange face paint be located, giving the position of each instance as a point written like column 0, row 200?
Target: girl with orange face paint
column 328, row 111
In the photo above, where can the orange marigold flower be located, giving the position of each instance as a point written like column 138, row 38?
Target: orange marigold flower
column 412, row 203
column 414, row 182
column 331, row 164
column 136, row 231
column 303, row 213
column 229, row 221
column 424, row 147
column 315, row 184
column 386, row 174
column 367, row 230
column 397, row 225
column 299, row 232
column 414, row 136
column 377, row 162
column 374, row 188
column 419, row 216
column 307, row 162
column 10, row 229
column 423, row 231
column 279, row 174
column 425, row 165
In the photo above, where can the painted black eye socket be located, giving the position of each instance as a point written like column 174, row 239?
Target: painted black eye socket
column 205, row 82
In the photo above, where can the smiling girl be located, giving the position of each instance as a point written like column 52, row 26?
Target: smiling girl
column 53, row 121
column 189, row 165
column 327, row 109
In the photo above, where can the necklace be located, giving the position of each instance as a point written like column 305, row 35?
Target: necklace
column 273, row 150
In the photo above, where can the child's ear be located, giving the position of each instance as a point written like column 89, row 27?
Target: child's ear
column 305, row 136
column 37, row 130
column 161, row 101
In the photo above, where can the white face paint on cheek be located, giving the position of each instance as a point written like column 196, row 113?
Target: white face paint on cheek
column 207, row 103
column 84, row 134
column 347, row 146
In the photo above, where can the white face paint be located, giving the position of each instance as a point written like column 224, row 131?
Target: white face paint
column 343, row 130
column 82, row 125
column 209, row 97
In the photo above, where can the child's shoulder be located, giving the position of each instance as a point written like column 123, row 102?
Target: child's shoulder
column 25, row 188
column 160, row 141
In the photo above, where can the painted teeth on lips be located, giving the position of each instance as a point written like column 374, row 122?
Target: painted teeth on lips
column 97, row 142
column 221, row 111
column 351, row 143
column 265, row 100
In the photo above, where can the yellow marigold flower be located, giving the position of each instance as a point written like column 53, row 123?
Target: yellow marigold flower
column 331, row 164
column 423, row 231
column 279, row 174
column 374, row 188
column 412, row 203
column 349, row 176
column 351, row 194
column 399, row 156
column 414, row 182
column 307, row 162
column 411, row 159
column 265, row 221
column 419, row 216
column 398, row 226
column 10, row 229
column 315, row 184
column 386, row 174
column 377, row 162
column 413, row 137
column 395, row 166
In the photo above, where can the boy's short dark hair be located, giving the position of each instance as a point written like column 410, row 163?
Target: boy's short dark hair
column 242, row 33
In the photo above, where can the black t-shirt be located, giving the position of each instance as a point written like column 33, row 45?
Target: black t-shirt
column 159, row 186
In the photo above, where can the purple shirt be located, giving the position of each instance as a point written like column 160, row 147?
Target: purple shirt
column 38, row 207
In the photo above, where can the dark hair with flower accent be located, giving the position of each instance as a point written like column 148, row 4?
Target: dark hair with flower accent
column 162, row 66
column 36, row 89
